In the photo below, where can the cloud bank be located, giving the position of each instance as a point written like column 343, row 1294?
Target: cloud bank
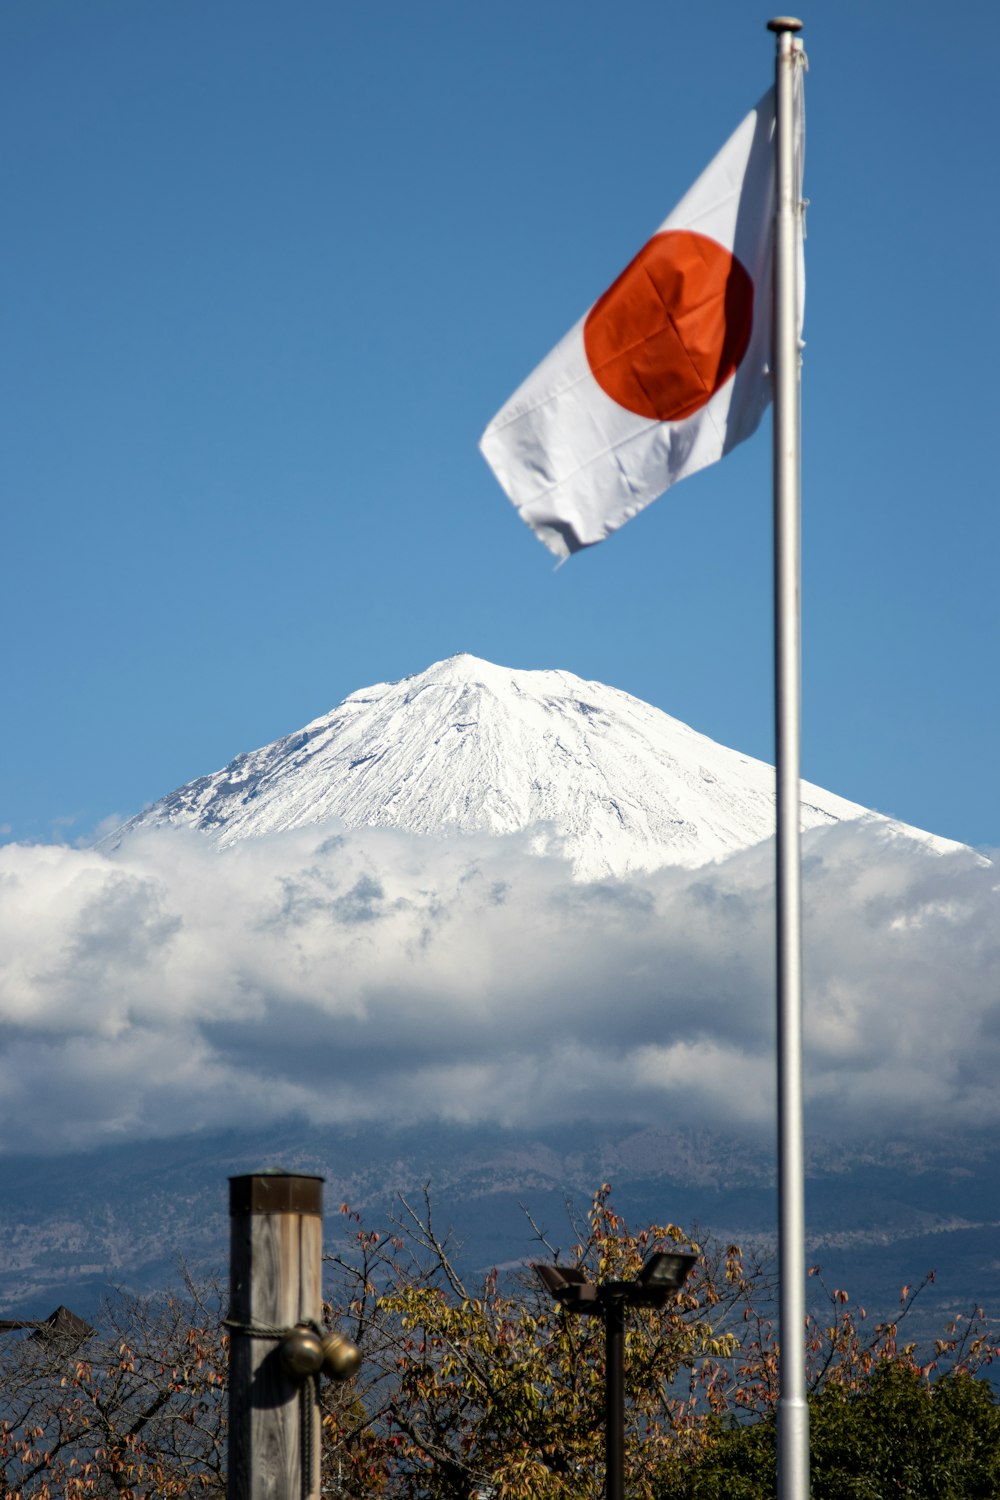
column 377, row 975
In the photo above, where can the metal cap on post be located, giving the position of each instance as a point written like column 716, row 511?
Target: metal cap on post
column 276, row 1247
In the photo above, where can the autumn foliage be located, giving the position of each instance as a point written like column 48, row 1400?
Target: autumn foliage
column 495, row 1390
column 491, row 1389
column 135, row 1410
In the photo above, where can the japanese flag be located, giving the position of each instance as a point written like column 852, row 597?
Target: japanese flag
column 668, row 370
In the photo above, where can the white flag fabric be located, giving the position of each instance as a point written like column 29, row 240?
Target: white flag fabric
column 668, row 370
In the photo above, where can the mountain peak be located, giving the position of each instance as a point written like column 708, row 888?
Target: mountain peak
column 469, row 746
column 467, row 670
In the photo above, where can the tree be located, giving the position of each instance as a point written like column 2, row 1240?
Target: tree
column 496, row 1391
column 135, row 1409
column 898, row 1433
column 493, row 1390
column 883, row 1421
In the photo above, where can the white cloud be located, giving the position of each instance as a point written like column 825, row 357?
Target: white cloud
column 382, row 975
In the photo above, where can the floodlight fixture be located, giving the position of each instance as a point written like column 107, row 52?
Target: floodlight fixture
column 569, row 1286
column 558, row 1279
column 667, row 1270
column 661, row 1277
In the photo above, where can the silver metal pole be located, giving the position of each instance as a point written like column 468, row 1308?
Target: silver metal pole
column 793, row 1414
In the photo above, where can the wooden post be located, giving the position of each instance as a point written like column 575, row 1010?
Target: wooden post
column 276, row 1245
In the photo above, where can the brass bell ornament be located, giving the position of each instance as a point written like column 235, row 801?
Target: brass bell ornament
column 341, row 1358
column 301, row 1353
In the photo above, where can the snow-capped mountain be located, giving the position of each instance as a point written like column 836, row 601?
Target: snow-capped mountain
column 467, row 746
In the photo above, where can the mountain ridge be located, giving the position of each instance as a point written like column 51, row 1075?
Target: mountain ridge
column 123, row 1216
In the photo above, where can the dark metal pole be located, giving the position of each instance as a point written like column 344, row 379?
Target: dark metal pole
column 614, row 1396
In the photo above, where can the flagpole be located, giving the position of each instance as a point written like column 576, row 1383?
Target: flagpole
column 793, row 1414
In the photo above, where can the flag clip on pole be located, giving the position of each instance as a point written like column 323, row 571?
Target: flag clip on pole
column 793, row 1415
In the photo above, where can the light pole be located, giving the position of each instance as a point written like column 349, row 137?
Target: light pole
column 661, row 1278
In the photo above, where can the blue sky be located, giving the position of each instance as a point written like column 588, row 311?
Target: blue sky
column 269, row 271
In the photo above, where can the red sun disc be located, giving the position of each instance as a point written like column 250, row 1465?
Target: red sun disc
column 673, row 328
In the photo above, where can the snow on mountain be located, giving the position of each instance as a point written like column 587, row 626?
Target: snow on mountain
column 466, row 746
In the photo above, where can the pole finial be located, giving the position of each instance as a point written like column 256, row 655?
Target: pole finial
column 784, row 23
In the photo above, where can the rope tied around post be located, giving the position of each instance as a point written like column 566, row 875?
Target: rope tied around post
column 301, row 1351
column 257, row 1330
